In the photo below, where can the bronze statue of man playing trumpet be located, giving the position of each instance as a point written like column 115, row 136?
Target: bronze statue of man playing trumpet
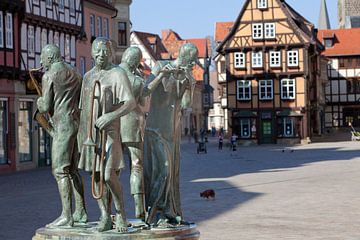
column 61, row 89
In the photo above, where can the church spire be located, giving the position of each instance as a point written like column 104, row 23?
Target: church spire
column 324, row 22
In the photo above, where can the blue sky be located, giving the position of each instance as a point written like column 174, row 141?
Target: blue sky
column 196, row 18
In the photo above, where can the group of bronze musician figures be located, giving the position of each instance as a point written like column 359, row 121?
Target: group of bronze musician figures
column 94, row 118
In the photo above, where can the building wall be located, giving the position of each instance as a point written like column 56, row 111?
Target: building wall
column 347, row 9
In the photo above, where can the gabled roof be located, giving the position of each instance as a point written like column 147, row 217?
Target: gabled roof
column 302, row 27
column 221, row 30
column 148, row 40
column 345, row 41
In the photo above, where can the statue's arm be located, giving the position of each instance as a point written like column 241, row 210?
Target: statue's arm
column 153, row 80
column 45, row 103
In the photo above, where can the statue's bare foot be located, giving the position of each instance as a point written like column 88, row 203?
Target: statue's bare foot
column 121, row 225
column 80, row 216
column 62, row 221
column 105, row 224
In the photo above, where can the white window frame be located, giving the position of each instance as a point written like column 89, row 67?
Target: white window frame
column 257, row 60
column 99, row 26
column 284, row 122
column 72, row 7
column 275, row 58
column 61, row 5
column 92, row 25
column 243, row 122
column 49, row 4
column 266, row 84
column 1, row 30
column 257, row 31
column 57, row 39
column 9, row 39
column 269, row 30
column 293, row 58
column 31, row 41
column 288, row 84
column 242, row 85
column 106, row 27
column 262, row 4
column 239, row 60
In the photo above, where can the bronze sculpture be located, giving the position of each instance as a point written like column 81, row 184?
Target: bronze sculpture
column 61, row 89
column 115, row 100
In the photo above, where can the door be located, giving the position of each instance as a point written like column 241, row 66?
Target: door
column 266, row 132
column 25, row 131
column 44, row 148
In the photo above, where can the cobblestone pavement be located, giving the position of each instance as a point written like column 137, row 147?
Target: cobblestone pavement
column 262, row 192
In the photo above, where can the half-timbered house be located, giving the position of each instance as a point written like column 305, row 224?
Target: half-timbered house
column 272, row 74
column 343, row 90
column 10, row 12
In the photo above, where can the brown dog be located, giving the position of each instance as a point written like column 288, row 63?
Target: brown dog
column 210, row 193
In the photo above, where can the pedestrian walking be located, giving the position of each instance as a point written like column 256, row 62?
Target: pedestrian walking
column 221, row 140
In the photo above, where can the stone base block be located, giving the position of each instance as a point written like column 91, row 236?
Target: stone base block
column 88, row 232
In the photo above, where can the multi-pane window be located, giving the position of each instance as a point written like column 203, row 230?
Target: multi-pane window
column 99, row 26
column 288, row 89
column 245, row 130
column 270, row 30
column 243, row 90
column 61, row 5
column 262, row 4
column 82, row 66
column 288, row 127
column 9, row 30
column 1, row 30
column 239, row 60
column 92, row 25
column 257, row 59
column 31, row 41
column 257, row 31
column 3, row 131
column 275, row 58
column 122, row 39
column 56, row 39
column 43, row 37
column 293, row 58
column 266, row 89
column 67, row 48
column 106, row 27
column 72, row 7
column 49, row 3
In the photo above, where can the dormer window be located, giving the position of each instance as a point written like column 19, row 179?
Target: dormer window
column 329, row 42
column 262, row 4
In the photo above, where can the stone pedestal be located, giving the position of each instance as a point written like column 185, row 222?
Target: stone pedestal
column 88, row 232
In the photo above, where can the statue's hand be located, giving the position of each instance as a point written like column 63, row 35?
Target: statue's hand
column 104, row 121
column 41, row 105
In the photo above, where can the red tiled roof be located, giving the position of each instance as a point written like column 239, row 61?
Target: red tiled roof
column 222, row 29
column 201, row 44
column 345, row 41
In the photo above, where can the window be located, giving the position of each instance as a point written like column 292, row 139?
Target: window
column 270, row 30
column 72, row 7
column 1, row 30
column 92, row 25
column 106, row 27
column 43, row 37
column 245, row 128
column 82, row 66
column 257, row 29
column 243, row 90
column 288, row 127
column 31, row 41
column 25, row 131
column 61, row 5
column 288, row 89
column 239, row 60
column 222, row 67
column 56, row 39
column 262, row 4
column 49, row 3
column 9, row 30
column 36, row 1
column 99, row 26
column 3, row 131
column 257, row 59
column 122, row 39
column 293, row 58
column 266, row 89
column 275, row 58
column 328, row 43
column 67, row 48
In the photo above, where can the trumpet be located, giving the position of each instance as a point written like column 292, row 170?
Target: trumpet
column 90, row 143
column 39, row 117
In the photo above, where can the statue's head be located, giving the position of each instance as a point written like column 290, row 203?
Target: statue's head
column 101, row 52
column 188, row 55
column 132, row 56
column 49, row 55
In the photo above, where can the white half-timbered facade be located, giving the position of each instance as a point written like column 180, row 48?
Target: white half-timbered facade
column 50, row 21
